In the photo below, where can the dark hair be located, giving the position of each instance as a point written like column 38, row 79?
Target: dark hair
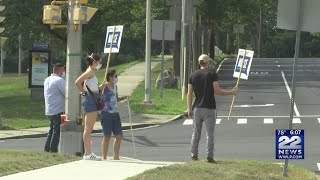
column 91, row 58
column 57, row 66
column 110, row 74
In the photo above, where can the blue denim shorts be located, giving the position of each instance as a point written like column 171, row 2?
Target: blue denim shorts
column 89, row 102
column 111, row 122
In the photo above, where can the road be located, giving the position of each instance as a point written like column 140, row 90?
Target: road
column 261, row 107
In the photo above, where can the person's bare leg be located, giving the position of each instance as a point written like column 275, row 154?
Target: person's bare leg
column 105, row 146
column 116, row 147
column 90, row 119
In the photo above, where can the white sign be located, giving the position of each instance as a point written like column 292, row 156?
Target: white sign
column 288, row 13
column 116, row 39
column 169, row 32
column 246, row 64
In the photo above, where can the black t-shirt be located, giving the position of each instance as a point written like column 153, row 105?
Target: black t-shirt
column 202, row 83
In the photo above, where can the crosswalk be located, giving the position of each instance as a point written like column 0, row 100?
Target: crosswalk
column 244, row 120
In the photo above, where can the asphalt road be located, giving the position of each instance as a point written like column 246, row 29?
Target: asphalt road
column 261, row 107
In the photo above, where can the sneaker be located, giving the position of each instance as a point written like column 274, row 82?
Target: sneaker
column 194, row 158
column 92, row 156
column 211, row 160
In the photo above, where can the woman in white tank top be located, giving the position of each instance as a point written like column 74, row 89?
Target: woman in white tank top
column 89, row 80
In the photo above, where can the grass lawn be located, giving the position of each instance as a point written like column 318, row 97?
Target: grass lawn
column 226, row 170
column 171, row 103
column 19, row 111
column 19, row 161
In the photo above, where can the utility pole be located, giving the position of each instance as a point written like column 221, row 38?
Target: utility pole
column 20, row 56
column 71, row 133
column 147, row 100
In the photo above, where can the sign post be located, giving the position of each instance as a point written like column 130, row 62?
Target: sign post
column 242, row 69
column 163, row 30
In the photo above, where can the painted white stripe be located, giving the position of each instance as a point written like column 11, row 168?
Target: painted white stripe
column 254, row 105
column 268, row 121
column 319, row 120
column 220, row 66
column 218, row 121
column 289, row 92
column 304, row 116
column 2, row 141
column 296, row 121
column 242, row 121
column 318, row 164
column 188, row 122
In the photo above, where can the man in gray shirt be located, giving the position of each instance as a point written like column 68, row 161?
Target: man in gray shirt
column 54, row 94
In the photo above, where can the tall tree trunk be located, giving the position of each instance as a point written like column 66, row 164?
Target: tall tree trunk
column 212, row 37
column 176, row 54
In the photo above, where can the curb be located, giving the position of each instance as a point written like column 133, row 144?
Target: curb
column 97, row 130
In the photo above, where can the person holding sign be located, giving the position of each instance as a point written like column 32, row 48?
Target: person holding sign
column 109, row 117
column 88, row 86
column 204, row 84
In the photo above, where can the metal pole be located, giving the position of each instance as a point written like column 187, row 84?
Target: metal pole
column 260, row 31
column 183, row 32
column 238, row 40
column 20, row 56
column 71, row 134
column 162, row 59
column 296, row 56
column 148, row 55
column 2, row 63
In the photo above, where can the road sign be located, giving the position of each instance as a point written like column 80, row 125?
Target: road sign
column 288, row 14
column 170, row 30
column 246, row 65
column 116, row 39
column 238, row 28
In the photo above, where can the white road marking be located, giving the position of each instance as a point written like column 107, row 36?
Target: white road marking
column 318, row 164
column 289, row 92
column 304, row 116
column 254, row 105
column 220, row 65
column 268, row 120
column 319, row 120
column 242, row 121
column 296, row 121
column 188, row 122
column 278, row 65
column 2, row 141
column 140, row 128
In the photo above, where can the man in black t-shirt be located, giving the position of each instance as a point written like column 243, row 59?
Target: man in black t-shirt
column 204, row 83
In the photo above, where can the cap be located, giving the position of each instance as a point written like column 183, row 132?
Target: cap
column 205, row 58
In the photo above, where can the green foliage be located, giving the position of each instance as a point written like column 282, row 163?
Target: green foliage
column 25, row 17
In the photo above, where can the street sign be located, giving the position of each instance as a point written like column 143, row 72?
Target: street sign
column 175, row 15
column 116, row 39
column 170, row 30
column 238, row 28
column 288, row 14
column 246, row 65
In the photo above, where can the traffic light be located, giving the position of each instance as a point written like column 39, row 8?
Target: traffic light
column 2, row 19
column 51, row 14
column 83, row 14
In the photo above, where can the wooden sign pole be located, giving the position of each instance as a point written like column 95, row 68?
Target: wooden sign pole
column 234, row 97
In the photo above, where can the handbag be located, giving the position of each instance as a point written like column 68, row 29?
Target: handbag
column 99, row 101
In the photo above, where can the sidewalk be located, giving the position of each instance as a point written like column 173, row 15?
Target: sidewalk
column 128, row 81
column 84, row 170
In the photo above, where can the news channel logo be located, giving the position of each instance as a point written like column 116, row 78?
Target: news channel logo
column 289, row 144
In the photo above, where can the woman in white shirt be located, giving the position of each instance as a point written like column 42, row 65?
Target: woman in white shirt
column 89, row 80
